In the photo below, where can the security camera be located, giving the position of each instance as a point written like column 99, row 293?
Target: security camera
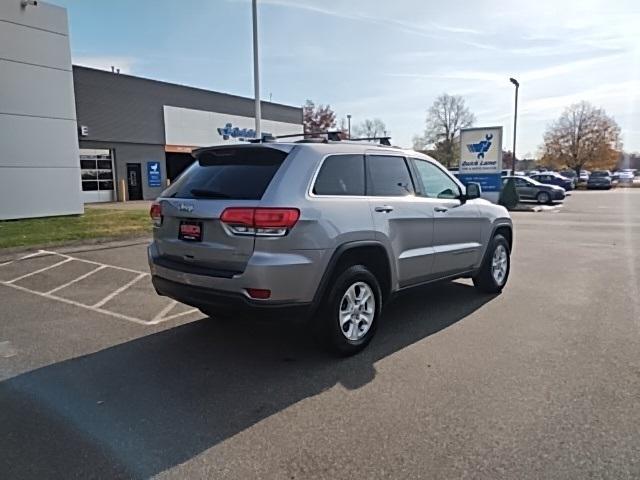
column 24, row 3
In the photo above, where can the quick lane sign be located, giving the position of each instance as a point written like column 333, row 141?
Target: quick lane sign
column 154, row 174
column 481, row 157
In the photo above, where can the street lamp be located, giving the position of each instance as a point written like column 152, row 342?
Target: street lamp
column 349, row 124
column 515, row 123
column 256, row 73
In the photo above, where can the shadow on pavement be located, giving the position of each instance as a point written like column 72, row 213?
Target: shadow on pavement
column 142, row 407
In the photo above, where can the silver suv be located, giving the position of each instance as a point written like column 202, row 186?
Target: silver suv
column 332, row 229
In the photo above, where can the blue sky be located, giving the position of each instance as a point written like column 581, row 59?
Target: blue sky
column 386, row 59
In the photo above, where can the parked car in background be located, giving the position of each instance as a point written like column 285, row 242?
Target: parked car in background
column 530, row 189
column 571, row 175
column 553, row 178
column 625, row 176
column 584, row 175
column 600, row 179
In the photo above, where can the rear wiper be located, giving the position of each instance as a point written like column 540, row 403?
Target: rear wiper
column 198, row 192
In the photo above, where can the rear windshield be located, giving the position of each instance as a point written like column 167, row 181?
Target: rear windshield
column 233, row 173
column 600, row 174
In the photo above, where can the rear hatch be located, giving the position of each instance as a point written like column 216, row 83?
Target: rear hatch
column 191, row 237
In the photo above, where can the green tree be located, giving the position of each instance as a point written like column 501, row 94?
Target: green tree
column 583, row 137
column 446, row 116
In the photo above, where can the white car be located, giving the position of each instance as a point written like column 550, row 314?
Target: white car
column 625, row 176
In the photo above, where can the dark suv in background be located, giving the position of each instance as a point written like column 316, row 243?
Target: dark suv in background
column 600, row 179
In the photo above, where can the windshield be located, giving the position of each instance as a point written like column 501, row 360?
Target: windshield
column 598, row 173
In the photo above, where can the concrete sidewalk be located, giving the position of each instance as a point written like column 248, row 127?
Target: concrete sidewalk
column 130, row 205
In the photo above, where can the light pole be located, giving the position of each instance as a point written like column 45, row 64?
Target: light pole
column 349, row 124
column 256, row 72
column 515, row 123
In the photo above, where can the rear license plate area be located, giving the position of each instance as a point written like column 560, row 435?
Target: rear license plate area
column 190, row 231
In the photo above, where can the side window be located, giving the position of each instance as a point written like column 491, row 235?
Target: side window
column 341, row 175
column 521, row 183
column 388, row 176
column 435, row 183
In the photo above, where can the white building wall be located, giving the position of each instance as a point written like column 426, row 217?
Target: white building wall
column 198, row 128
column 39, row 162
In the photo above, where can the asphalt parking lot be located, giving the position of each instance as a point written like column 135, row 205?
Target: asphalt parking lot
column 101, row 378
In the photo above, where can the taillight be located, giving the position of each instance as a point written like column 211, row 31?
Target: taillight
column 266, row 222
column 156, row 213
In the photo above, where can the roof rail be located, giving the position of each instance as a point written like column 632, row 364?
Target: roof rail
column 386, row 141
column 333, row 136
column 312, row 137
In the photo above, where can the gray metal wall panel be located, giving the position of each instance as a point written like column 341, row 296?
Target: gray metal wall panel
column 37, row 91
column 33, row 142
column 34, row 46
column 43, row 16
column 122, row 108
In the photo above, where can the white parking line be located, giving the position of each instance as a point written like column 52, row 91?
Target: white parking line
column 171, row 317
column 97, row 307
column 78, row 304
column 81, row 277
column 118, row 291
column 164, row 311
column 66, row 260
column 92, row 262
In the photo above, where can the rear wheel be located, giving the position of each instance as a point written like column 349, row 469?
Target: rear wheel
column 494, row 272
column 543, row 197
column 350, row 313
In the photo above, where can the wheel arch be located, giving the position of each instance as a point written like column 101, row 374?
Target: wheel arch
column 369, row 253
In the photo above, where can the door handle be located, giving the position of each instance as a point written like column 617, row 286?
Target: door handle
column 384, row 208
column 440, row 209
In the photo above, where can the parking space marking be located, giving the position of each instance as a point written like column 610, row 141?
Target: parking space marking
column 164, row 311
column 97, row 307
column 77, row 279
column 40, row 270
column 124, row 269
column 78, row 304
column 119, row 290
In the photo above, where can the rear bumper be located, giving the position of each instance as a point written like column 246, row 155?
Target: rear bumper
column 292, row 277
column 212, row 301
column 594, row 185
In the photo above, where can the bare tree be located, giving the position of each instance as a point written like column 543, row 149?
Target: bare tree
column 317, row 119
column 583, row 137
column 445, row 118
column 370, row 128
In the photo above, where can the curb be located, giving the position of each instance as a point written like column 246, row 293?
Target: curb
column 76, row 246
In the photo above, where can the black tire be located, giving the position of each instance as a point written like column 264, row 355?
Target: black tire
column 544, row 197
column 484, row 279
column 327, row 319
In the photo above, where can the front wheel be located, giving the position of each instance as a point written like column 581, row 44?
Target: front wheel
column 544, row 197
column 494, row 272
column 350, row 312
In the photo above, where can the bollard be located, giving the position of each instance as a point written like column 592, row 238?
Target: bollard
column 122, row 192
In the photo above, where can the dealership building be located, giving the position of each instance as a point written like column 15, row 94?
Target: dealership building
column 71, row 135
column 142, row 131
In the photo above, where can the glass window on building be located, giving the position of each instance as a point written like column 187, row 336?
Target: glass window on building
column 96, row 172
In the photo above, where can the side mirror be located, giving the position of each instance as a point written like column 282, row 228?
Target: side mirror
column 474, row 190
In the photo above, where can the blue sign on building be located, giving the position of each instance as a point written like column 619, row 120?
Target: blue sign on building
column 490, row 182
column 154, row 174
